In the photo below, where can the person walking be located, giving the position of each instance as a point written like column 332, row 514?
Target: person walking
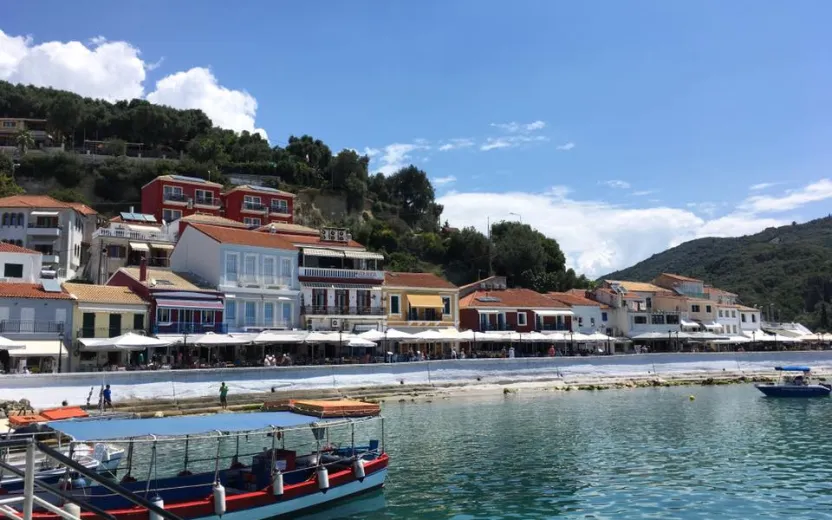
column 107, row 398
column 224, row 396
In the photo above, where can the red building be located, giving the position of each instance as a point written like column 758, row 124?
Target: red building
column 258, row 205
column 171, row 197
column 489, row 305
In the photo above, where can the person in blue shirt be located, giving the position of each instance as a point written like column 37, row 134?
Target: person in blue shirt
column 107, row 395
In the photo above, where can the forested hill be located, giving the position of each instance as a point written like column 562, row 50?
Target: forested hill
column 789, row 266
column 397, row 214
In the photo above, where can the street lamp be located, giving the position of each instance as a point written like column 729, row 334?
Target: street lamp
column 518, row 215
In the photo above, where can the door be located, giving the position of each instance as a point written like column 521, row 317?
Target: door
column 115, row 325
column 27, row 319
column 88, row 325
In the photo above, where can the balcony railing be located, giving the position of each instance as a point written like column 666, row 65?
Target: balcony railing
column 118, row 232
column 261, row 282
column 204, row 201
column 31, row 327
column 253, row 206
column 279, row 209
column 105, row 332
column 189, row 327
column 349, row 274
column 175, row 197
column 254, row 325
column 340, row 310
column 424, row 316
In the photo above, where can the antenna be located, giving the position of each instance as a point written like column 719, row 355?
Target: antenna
column 490, row 249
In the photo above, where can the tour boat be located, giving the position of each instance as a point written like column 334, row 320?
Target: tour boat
column 302, row 457
column 794, row 386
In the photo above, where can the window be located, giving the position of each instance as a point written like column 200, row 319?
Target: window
column 60, row 315
column 286, row 313
column 753, row 318
column 252, row 202
column 708, row 309
column 9, row 124
column 268, row 313
column 207, row 317
column 204, row 197
column 657, row 319
column 173, row 193
column 251, row 313
column 522, row 318
column 742, row 317
column 286, row 271
column 446, row 305
column 734, row 327
column 116, row 251
column 230, row 311
column 138, row 322
column 269, row 265
column 640, row 320
column 280, row 206
column 720, row 313
column 580, row 321
column 163, row 316
column 251, row 221
column 232, row 267
column 250, row 267
column 592, row 322
column 672, row 319
column 319, row 297
column 171, row 215
column 13, row 271
column 395, row 304
column 733, row 314
column 694, row 308
column 603, row 316
column 43, row 249
column 6, row 221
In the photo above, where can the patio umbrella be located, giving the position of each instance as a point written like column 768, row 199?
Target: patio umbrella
column 7, row 344
column 212, row 339
column 649, row 336
column 360, row 343
column 535, row 337
column 127, row 341
column 450, row 334
column 397, row 335
column 430, row 335
column 323, row 337
column 372, row 335
column 597, row 336
column 556, row 337
column 579, row 337
column 274, row 337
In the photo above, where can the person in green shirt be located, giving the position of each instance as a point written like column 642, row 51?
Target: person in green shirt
column 224, row 395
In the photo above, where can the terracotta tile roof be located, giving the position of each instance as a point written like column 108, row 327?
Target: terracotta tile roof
column 638, row 286
column 245, row 237
column 568, row 298
column 417, row 280
column 83, row 208
column 261, row 191
column 681, row 278
column 103, row 294
column 306, row 240
column 213, row 220
column 714, row 290
column 11, row 248
column 32, row 201
column 747, row 308
column 168, row 279
column 511, row 298
column 284, row 227
column 30, row 290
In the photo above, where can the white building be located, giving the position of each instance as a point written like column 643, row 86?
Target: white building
column 728, row 317
column 635, row 309
column 19, row 264
column 60, row 231
column 589, row 315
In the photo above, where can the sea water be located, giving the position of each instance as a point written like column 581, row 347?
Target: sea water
column 640, row 453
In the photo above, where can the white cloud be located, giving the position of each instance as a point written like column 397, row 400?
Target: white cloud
column 114, row 70
column 442, row 181
column 515, row 127
column 597, row 237
column 371, row 152
column 198, row 88
column 792, row 199
column 565, row 147
column 763, row 186
column 102, row 69
column 616, row 184
column 455, row 144
column 511, row 141
column 706, row 208
column 396, row 156
column 642, row 193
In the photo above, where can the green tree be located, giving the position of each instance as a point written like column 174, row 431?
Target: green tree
column 115, row 147
column 6, row 165
column 24, row 141
column 346, row 164
column 64, row 116
column 8, row 187
column 466, row 259
column 206, row 149
column 355, row 190
column 411, row 189
column 824, row 317
column 310, row 151
column 68, row 195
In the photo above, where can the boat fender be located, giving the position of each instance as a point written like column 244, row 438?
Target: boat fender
column 73, row 509
column 184, row 473
column 358, row 469
column 323, row 479
column 158, row 502
column 219, row 499
column 278, row 484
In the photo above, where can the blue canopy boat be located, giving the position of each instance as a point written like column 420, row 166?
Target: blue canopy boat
column 794, row 385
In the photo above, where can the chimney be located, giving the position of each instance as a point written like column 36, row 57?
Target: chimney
column 131, row 209
column 143, row 270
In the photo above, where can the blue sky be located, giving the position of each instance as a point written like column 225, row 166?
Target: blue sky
column 618, row 128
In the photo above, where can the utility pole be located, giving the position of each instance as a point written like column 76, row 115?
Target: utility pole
column 490, row 249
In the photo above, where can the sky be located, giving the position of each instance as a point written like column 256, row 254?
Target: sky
column 617, row 128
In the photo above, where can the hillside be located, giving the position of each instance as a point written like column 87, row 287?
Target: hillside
column 102, row 153
column 789, row 266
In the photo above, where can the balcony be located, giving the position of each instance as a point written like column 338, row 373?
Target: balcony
column 257, row 325
column 189, row 327
column 175, row 197
column 253, row 206
column 51, row 259
column 258, row 282
column 105, row 332
column 347, row 274
column 283, row 210
column 340, row 310
column 31, row 327
column 44, row 229
column 144, row 236
column 425, row 316
column 209, row 202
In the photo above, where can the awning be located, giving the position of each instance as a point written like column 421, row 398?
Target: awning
column 555, row 312
column 138, row 246
column 429, row 301
column 686, row 323
column 713, row 326
column 39, row 348
column 215, row 305
column 363, row 255
column 329, row 253
column 168, row 247
column 484, row 311
column 143, row 229
column 324, row 285
column 44, row 213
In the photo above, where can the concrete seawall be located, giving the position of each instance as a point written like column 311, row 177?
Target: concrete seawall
column 50, row 389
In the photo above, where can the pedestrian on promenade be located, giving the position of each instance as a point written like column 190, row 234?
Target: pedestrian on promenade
column 224, row 396
column 107, row 398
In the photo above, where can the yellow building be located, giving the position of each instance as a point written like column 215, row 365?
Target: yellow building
column 103, row 311
column 420, row 301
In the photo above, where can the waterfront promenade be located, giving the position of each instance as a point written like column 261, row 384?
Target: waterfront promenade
column 51, row 389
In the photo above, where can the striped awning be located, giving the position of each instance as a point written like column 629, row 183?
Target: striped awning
column 324, row 285
column 328, row 253
column 425, row 301
column 363, row 255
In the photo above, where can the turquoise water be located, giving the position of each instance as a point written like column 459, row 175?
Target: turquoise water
column 645, row 453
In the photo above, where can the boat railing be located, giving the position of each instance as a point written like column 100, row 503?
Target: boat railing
column 73, row 505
